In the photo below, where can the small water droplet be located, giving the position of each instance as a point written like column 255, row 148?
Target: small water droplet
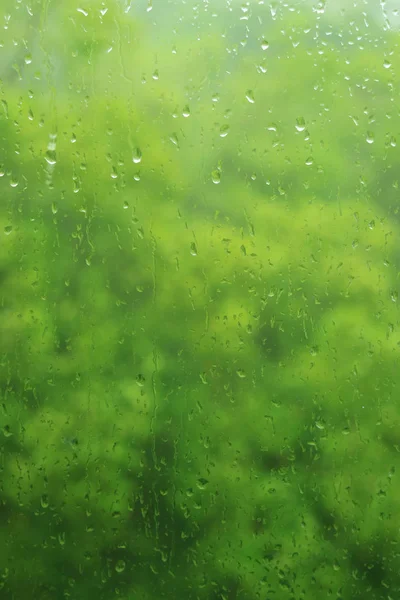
column 126, row 205
column 336, row 566
column 13, row 182
column 240, row 373
column 8, row 229
column 186, row 111
column 370, row 137
column 394, row 295
column 61, row 538
column 155, row 75
column 44, row 501
column 264, row 45
column 174, row 139
column 300, row 124
column 250, row 96
column 120, row 566
column 193, row 249
column 309, row 161
column 215, row 98
column 216, row 176
column 137, row 155
column 224, row 130
column 387, row 64
column 393, row 142
column 54, row 208
column 28, row 59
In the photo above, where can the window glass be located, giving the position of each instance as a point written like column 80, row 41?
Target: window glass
column 199, row 312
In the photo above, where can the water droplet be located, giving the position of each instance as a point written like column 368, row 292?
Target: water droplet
column 7, row 431
column 309, row 161
column 224, row 130
column 137, row 156
column 215, row 98
column 300, row 124
column 140, row 380
column 61, row 538
column 394, row 295
column 186, row 111
column 240, row 373
column 44, row 501
column 387, row 64
column 28, row 59
column 202, row 483
column 13, row 182
column 155, row 75
column 174, row 139
column 193, row 249
column 54, row 208
column 126, row 205
column 264, row 45
column 216, row 176
column 370, row 137
column 8, row 229
column 120, row 566
column 50, row 157
column 393, row 142
column 250, row 96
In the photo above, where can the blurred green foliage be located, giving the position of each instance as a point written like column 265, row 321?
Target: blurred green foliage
column 199, row 302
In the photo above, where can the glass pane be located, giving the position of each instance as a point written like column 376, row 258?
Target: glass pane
column 199, row 315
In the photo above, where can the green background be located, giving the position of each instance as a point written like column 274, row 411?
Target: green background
column 199, row 321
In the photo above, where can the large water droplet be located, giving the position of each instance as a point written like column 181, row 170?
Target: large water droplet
column 50, row 157
column 370, row 137
column 216, row 176
column 300, row 124
column 137, row 155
